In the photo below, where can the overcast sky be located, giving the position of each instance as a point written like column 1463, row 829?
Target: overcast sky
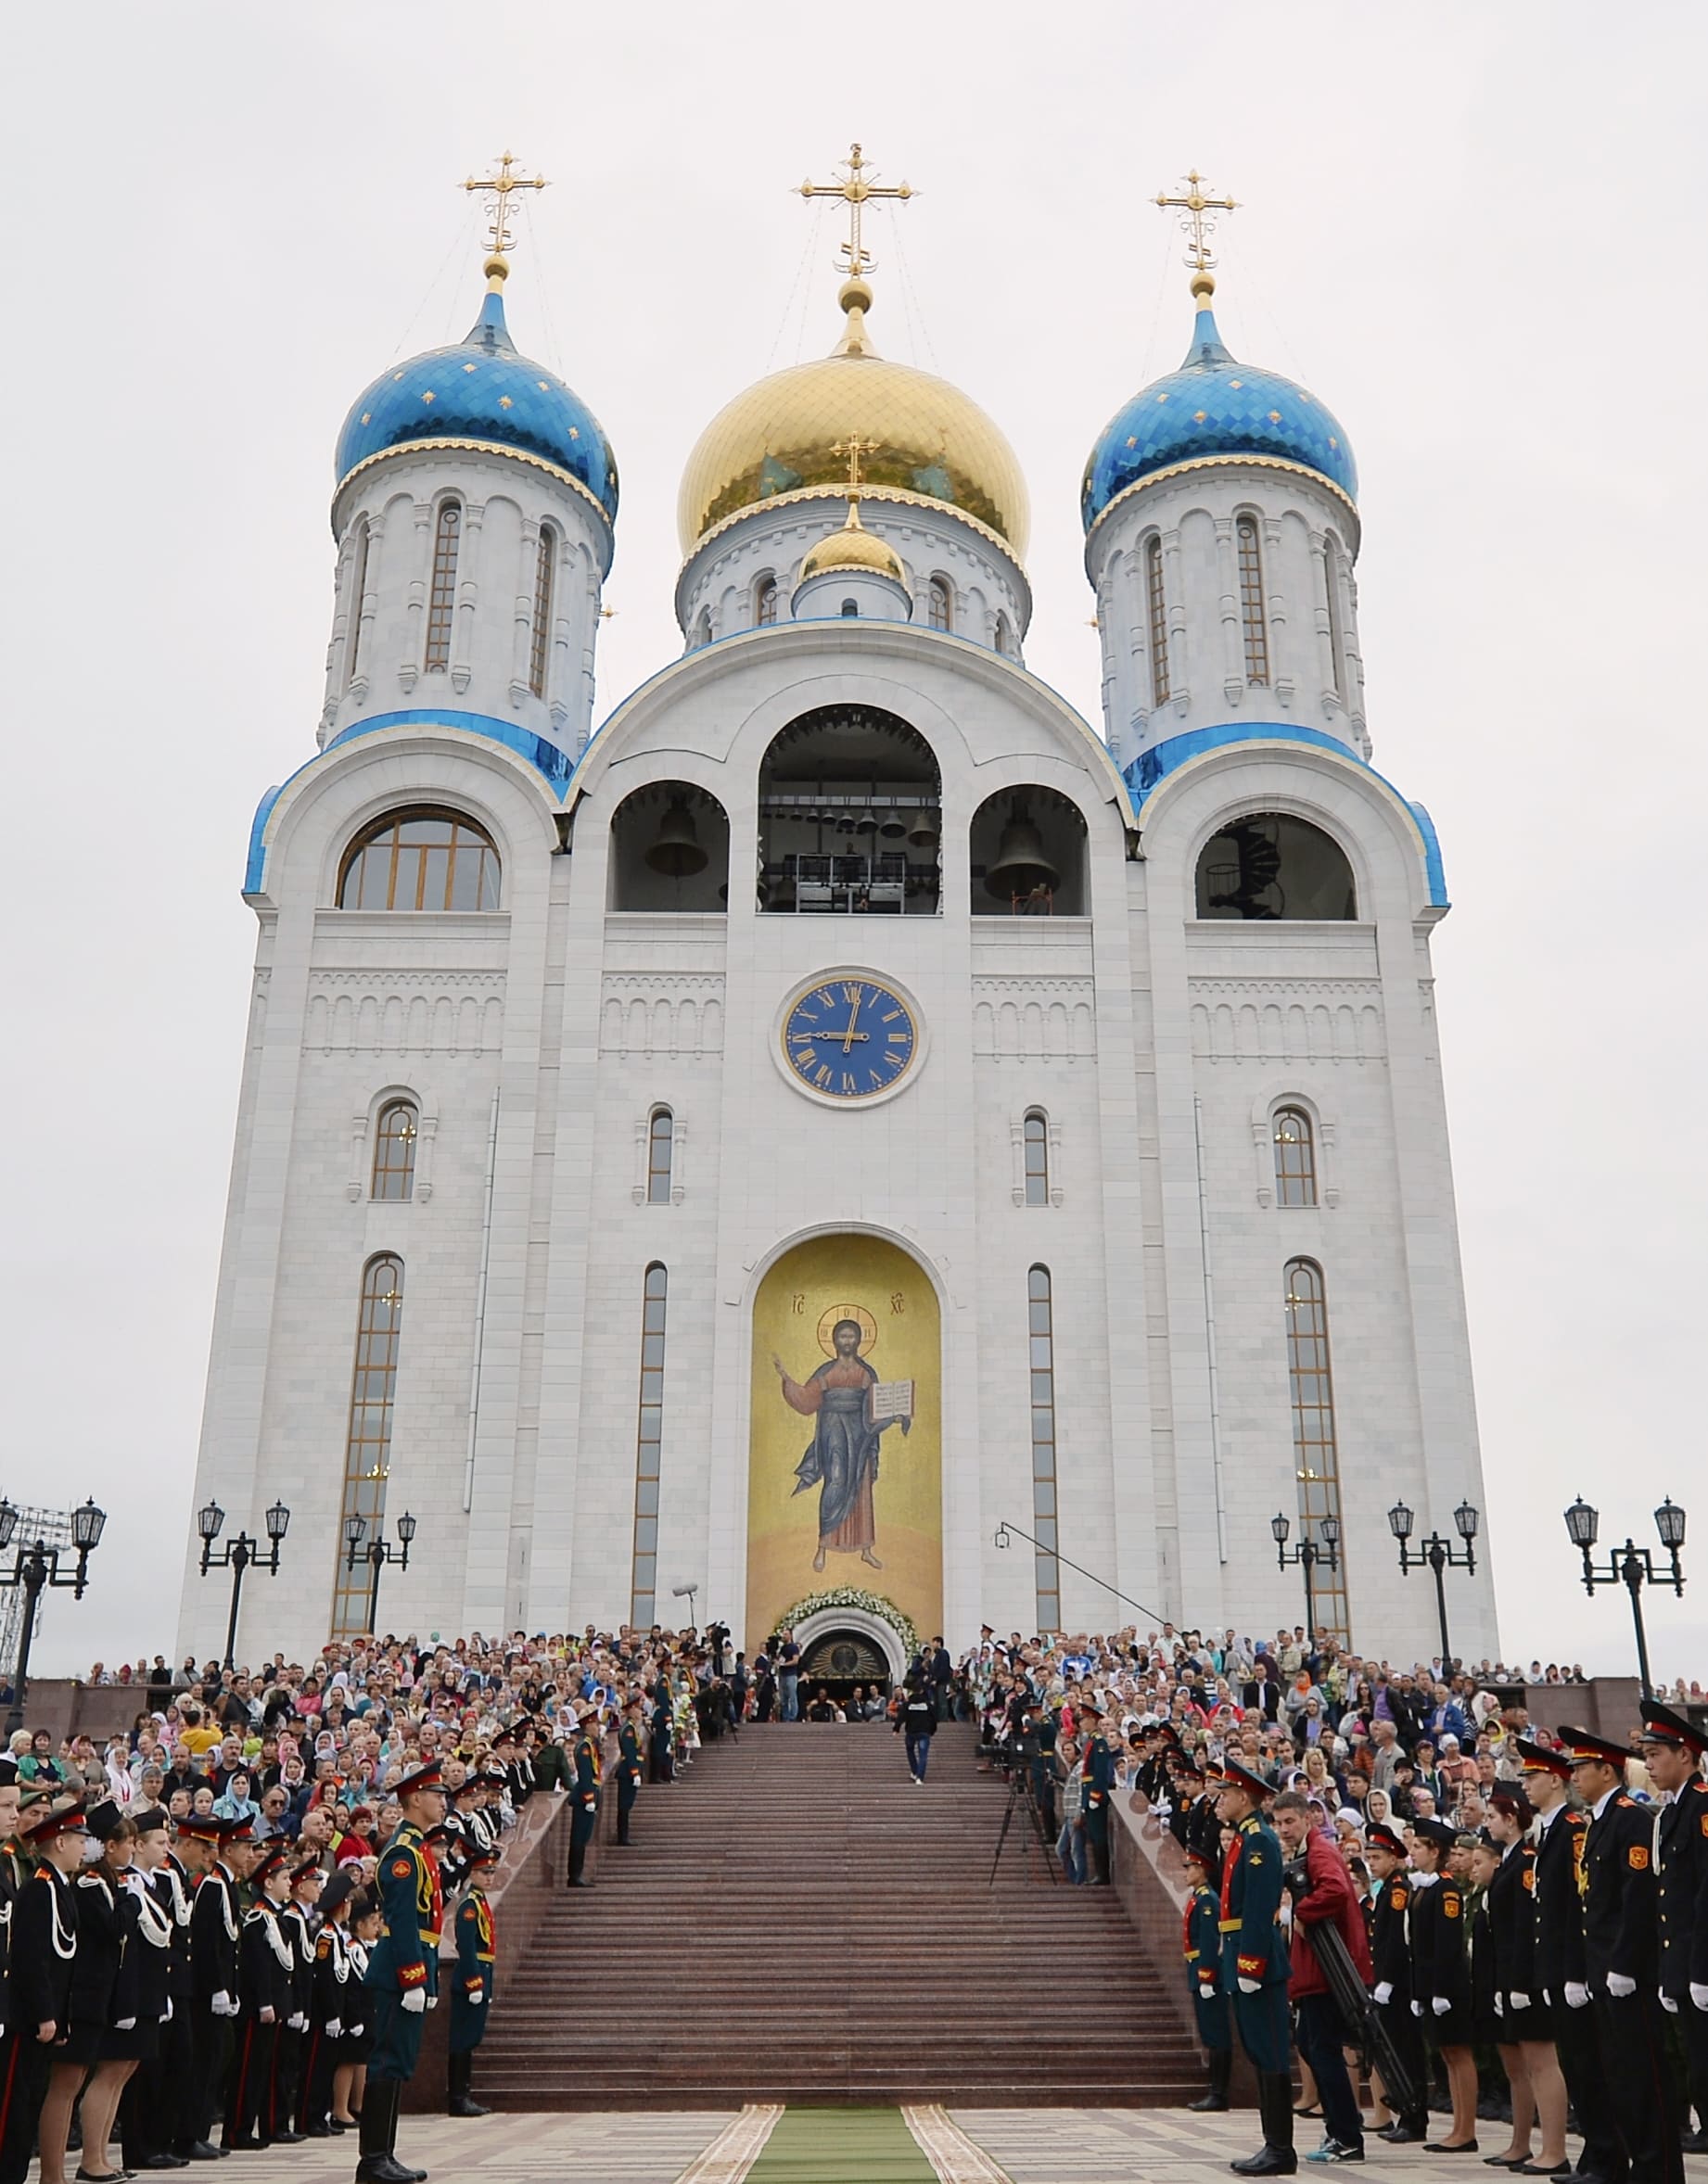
column 1474, row 231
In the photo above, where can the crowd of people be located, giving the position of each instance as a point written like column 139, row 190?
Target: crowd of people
column 1396, row 1865
column 223, row 1928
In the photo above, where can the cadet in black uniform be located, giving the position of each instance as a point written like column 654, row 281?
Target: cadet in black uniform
column 296, row 1922
column 1673, row 1749
column 1622, row 1958
column 43, row 1957
column 14, row 1873
column 265, row 1965
column 1441, row 1973
column 1096, row 1767
column 216, row 1924
column 1202, row 1942
column 1525, row 2021
column 143, row 1985
column 331, row 1993
column 155, row 2112
column 1560, row 1830
column 1390, row 1952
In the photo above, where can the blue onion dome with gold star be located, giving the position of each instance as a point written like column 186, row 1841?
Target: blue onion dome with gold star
column 1214, row 410
column 481, row 392
column 783, row 440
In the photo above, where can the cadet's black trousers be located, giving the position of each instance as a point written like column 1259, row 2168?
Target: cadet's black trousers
column 1580, row 2064
column 1634, row 2061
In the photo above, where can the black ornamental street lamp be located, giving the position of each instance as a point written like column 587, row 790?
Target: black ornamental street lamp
column 377, row 1552
column 1630, row 1565
column 1308, row 1554
column 237, row 1556
column 1438, row 1554
column 35, row 1569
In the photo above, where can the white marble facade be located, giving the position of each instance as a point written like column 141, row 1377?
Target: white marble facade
column 534, row 1040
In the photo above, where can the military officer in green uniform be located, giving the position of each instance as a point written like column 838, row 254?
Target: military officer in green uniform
column 1256, row 1964
column 628, row 1768
column 477, row 1967
column 402, row 1974
column 1097, row 1766
column 586, row 1759
column 1202, row 1945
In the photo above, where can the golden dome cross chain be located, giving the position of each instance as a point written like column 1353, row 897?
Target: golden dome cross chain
column 856, row 191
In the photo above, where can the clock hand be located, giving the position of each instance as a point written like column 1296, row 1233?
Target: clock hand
column 853, row 1016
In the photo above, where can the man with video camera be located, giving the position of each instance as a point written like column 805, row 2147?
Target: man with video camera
column 1323, row 1895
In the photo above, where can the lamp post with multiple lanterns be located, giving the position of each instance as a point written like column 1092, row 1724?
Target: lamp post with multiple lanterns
column 1437, row 1554
column 238, row 1555
column 377, row 1552
column 1308, row 1554
column 1630, row 1565
column 35, row 1569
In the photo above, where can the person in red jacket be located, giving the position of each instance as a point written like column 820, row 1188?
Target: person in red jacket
column 1323, row 2030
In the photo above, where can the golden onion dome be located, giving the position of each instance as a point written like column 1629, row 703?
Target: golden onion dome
column 787, row 436
column 853, row 547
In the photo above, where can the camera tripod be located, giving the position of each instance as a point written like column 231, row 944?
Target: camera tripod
column 1022, row 1797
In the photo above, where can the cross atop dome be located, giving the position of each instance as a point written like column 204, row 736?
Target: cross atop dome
column 499, row 238
column 1198, row 211
column 855, row 190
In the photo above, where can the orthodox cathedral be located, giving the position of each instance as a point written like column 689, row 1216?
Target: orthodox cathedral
column 849, row 1142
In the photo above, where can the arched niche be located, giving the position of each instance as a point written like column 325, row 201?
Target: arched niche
column 669, row 850
column 1271, row 865
column 850, row 804
column 1028, row 852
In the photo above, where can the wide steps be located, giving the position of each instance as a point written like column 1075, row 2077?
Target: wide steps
column 831, row 1934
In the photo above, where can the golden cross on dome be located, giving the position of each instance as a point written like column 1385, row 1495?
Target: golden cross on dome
column 499, row 238
column 855, row 190
column 1198, row 213
column 854, row 448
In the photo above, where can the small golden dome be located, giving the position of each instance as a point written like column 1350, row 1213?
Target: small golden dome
column 930, row 442
column 853, row 547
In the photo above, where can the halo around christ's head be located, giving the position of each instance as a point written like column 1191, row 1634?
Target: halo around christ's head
column 863, row 1319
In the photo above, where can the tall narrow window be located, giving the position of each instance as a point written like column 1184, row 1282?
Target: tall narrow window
column 1036, row 1157
column 765, row 603
column 394, row 1151
column 545, row 574
column 367, row 1448
column 1316, row 1458
column 1156, row 602
column 1005, row 638
column 1253, row 620
column 649, row 1435
column 1040, row 1336
column 940, row 604
column 1296, row 1157
column 441, row 599
column 660, row 1146
column 1331, row 580
column 358, row 593
column 702, row 629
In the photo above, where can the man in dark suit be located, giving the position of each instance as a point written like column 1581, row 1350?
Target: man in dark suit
column 1622, row 1958
column 941, row 1670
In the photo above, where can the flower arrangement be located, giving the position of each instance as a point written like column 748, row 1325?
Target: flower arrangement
column 873, row 1604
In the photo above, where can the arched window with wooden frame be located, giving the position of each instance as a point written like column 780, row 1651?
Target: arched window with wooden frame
column 940, row 604
column 424, row 859
column 1040, row 1366
column 396, row 1133
column 1315, row 1451
column 1156, row 619
column 358, row 593
column 441, row 593
column 765, row 603
column 545, row 584
column 1296, row 1157
column 1037, row 1144
column 367, row 1445
column 660, row 1155
column 649, row 1438
column 1253, row 616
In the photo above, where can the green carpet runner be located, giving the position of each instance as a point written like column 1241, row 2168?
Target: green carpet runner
column 841, row 2146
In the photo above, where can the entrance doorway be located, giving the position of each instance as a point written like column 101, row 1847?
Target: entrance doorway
column 839, row 1661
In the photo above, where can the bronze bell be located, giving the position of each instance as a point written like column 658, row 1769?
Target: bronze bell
column 893, row 827
column 677, row 853
column 1021, row 864
column 924, row 830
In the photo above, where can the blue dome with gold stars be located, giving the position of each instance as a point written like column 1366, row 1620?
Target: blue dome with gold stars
column 480, row 389
column 1214, row 408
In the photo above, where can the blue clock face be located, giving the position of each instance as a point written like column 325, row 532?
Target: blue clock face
column 849, row 1038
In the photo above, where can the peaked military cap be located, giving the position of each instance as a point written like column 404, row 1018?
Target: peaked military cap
column 1437, row 1832
column 1384, row 1837
column 1662, row 1726
column 56, row 1819
column 1235, row 1777
column 1542, row 1758
column 420, row 1778
column 1582, row 1744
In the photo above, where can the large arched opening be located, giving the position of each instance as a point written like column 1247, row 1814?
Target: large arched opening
column 669, row 850
column 849, row 798
column 1271, row 864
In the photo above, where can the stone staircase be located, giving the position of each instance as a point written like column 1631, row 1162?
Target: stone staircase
column 796, row 1922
